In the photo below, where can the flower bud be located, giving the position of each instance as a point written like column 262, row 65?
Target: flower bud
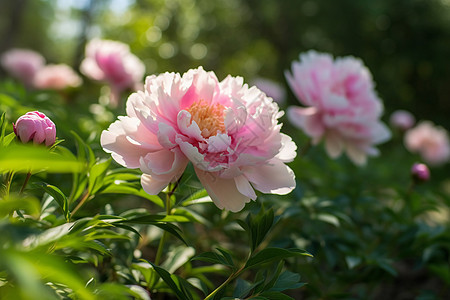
column 35, row 126
column 402, row 119
column 420, row 172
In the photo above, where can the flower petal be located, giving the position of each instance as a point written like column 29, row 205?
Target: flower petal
column 274, row 177
column 223, row 192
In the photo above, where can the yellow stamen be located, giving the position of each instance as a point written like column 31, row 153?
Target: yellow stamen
column 209, row 118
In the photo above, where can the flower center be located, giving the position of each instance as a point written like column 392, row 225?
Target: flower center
column 209, row 118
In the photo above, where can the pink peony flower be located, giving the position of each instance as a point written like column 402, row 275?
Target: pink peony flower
column 229, row 132
column 56, row 77
column 272, row 89
column 402, row 120
column 420, row 172
column 112, row 62
column 35, row 126
column 22, row 64
column 341, row 105
column 430, row 141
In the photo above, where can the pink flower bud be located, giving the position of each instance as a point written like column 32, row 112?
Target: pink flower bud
column 37, row 127
column 402, row 120
column 420, row 172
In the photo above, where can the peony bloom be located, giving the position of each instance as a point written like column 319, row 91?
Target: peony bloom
column 35, row 126
column 420, row 172
column 112, row 62
column 228, row 130
column 342, row 107
column 402, row 120
column 22, row 64
column 56, row 77
column 430, row 141
column 272, row 89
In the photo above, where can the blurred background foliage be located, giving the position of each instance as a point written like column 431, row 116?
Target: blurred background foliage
column 373, row 234
column 405, row 43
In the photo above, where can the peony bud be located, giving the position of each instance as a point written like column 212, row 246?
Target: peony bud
column 402, row 120
column 37, row 127
column 420, row 172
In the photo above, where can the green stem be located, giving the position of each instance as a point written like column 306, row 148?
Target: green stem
column 229, row 279
column 9, row 178
column 80, row 204
column 164, row 235
column 25, row 182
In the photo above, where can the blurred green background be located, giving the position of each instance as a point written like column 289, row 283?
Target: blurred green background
column 405, row 43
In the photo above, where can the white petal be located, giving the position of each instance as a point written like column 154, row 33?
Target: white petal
column 274, row 177
column 152, row 185
column 334, row 145
column 244, row 187
column 288, row 149
column 223, row 192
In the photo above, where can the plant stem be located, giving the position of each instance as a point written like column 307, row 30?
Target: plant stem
column 164, row 235
column 9, row 178
column 82, row 201
column 25, row 182
column 229, row 279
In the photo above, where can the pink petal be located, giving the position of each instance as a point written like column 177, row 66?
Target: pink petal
column 152, row 184
column 185, row 126
column 121, row 141
column 223, row 192
column 274, row 177
column 308, row 119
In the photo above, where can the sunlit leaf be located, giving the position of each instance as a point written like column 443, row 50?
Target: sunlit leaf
column 28, row 157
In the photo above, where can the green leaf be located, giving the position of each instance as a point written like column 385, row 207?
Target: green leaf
column 215, row 258
column 14, row 202
column 8, row 139
column 175, row 283
column 30, row 157
column 274, row 296
column 196, row 198
column 131, row 190
column 96, row 175
column 258, row 226
column 287, row 281
column 177, row 257
column 273, row 254
column 59, row 197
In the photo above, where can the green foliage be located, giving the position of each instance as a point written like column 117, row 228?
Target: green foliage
column 76, row 225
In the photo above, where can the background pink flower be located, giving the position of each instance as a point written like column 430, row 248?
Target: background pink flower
column 271, row 88
column 229, row 132
column 22, row 64
column 402, row 119
column 341, row 105
column 35, row 126
column 430, row 141
column 56, row 77
column 112, row 62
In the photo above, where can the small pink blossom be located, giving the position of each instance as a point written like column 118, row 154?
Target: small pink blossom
column 420, row 172
column 228, row 130
column 402, row 120
column 35, row 126
column 22, row 64
column 112, row 61
column 56, row 77
column 271, row 88
column 342, row 107
column 430, row 141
